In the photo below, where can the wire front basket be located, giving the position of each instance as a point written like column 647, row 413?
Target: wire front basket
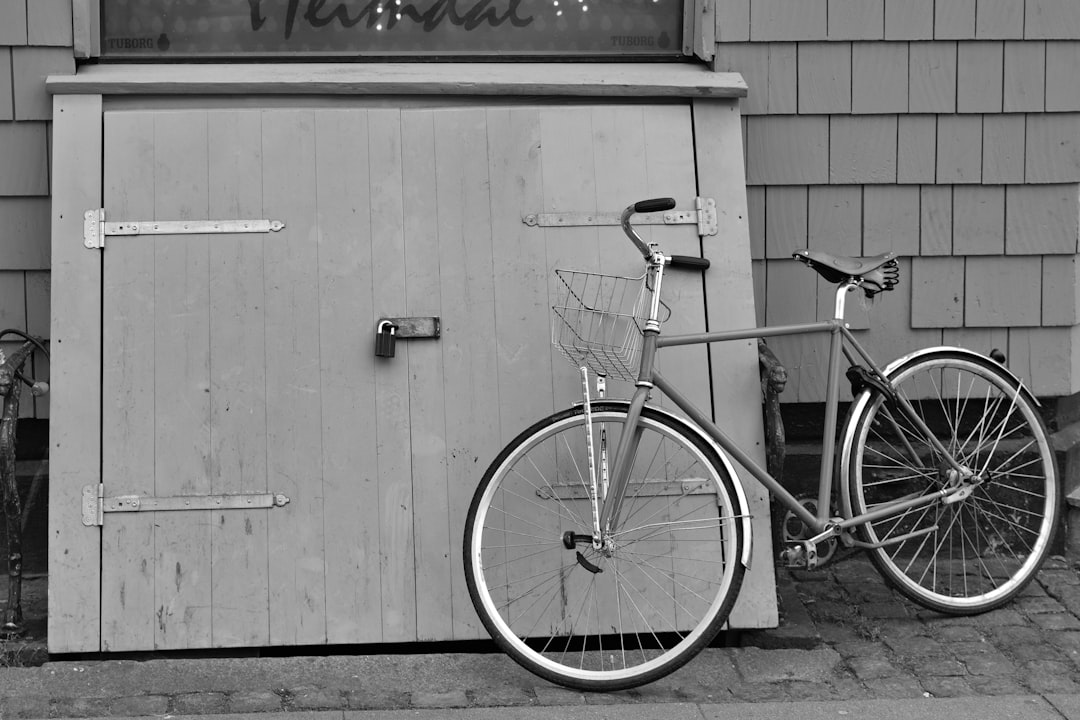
column 597, row 321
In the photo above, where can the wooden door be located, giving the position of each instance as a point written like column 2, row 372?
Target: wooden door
column 244, row 363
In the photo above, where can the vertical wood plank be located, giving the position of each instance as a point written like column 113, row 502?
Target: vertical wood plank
column 347, row 317
column 1003, row 291
column 181, row 340
column 824, row 78
column 879, row 77
column 293, row 414
column 916, row 149
column 1024, row 77
column 959, row 149
column 979, row 220
column 935, row 220
column 932, row 75
column 891, row 219
column 128, row 459
column 979, row 72
column 468, row 306
column 909, row 19
column 729, row 298
column 569, row 183
column 937, row 292
column 862, row 149
column 1003, row 149
column 834, row 222
column 396, row 501
column 668, row 139
column 1041, row 219
column 434, row 541
column 239, row 561
column 522, row 302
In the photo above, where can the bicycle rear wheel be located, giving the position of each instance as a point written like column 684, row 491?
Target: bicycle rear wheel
column 977, row 553
column 625, row 615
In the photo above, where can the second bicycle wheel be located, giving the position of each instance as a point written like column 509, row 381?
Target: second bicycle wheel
column 978, row 552
column 627, row 614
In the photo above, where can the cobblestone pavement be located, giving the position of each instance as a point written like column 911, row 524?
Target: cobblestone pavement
column 844, row 636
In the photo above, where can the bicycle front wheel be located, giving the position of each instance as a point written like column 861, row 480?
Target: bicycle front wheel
column 978, row 552
column 624, row 614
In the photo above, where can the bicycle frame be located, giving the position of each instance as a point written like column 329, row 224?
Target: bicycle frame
column 841, row 344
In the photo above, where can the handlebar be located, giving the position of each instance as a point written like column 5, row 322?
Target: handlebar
column 654, row 256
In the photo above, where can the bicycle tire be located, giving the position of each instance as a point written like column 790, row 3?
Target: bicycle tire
column 600, row 621
column 977, row 553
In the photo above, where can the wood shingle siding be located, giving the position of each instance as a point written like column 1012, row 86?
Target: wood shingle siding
column 7, row 109
column 31, row 65
column 979, row 69
column 25, row 221
column 937, row 292
column 1024, row 77
column 856, row 19
column 1051, row 19
column 12, row 22
column 26, row 167
column 909, row 19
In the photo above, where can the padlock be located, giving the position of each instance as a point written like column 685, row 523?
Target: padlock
column 385, row 339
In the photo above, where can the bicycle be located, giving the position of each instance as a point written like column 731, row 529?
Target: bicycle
column 606, row 544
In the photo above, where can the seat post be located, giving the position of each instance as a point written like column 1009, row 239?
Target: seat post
column 841, row 298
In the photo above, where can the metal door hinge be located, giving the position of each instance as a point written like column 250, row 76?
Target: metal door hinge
column 703, row 215
column 95, row 504
column 95, row 228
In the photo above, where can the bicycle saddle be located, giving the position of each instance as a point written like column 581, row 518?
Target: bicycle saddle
column 873, row 274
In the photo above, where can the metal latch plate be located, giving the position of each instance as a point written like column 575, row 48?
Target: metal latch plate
column 95, row 504
column 703, row 215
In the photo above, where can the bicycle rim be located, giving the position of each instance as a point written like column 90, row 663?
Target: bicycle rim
column 977, row 553
column 604, row 619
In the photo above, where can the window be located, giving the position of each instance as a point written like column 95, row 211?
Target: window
column 340, row 29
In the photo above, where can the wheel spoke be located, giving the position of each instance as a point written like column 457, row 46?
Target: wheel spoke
column 986, row 546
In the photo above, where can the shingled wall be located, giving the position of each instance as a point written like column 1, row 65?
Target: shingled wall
column 946, row 131
column 35, row 41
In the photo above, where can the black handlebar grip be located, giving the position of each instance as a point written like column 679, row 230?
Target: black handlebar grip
column 690, row 262
column 654, row 205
